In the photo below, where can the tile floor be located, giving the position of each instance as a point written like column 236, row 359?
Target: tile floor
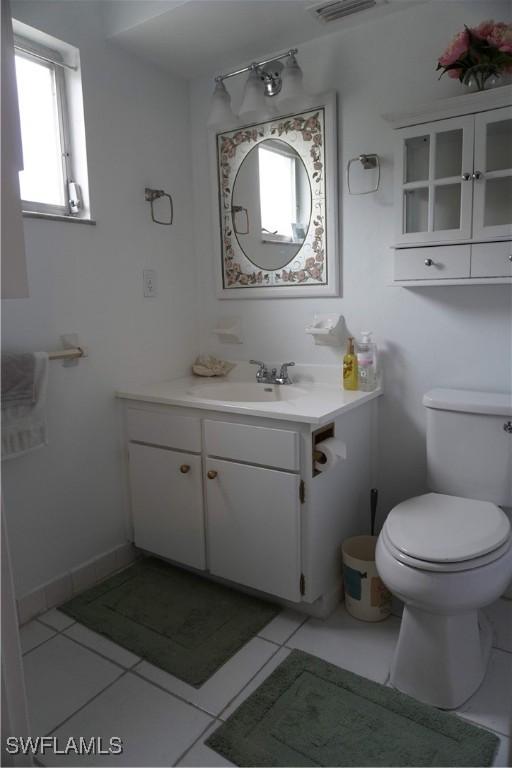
column 81, row 684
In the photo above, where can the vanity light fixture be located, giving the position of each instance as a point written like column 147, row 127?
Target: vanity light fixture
column 220, row 111
column 266, row 79
column 254, row 104
column 292, row 89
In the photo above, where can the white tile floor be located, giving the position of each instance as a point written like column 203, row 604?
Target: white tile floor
column 80, row 684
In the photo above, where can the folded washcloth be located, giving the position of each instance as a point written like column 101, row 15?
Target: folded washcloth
column 24, row 424
column 207, row 365
column 18, row 379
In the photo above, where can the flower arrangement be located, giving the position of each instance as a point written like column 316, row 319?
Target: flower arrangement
column 475, row 55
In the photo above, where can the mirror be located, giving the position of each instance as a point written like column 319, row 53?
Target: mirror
column 271, row 204
column 276, row 206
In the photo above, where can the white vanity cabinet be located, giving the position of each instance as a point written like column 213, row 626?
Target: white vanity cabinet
column 453, row 191
column 237, row 496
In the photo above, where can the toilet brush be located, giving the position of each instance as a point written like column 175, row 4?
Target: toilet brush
column 374, row 495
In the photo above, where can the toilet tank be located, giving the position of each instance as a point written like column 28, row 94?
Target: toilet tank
column 469, row 444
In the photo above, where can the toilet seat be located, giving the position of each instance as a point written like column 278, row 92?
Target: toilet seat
column 437, row 532
column 444, row 567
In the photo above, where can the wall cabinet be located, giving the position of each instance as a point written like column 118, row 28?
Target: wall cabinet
column 454, row 187
column 492, row 201
column 435, row 163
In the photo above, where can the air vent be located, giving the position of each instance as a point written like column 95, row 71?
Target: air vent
column 326, row 12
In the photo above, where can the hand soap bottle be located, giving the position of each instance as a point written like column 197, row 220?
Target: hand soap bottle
column 350, row 366
column 366, row 363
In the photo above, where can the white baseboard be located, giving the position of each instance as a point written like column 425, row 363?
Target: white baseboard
column 66, row 586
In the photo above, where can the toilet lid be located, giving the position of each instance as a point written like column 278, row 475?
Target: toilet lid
column 440, row 528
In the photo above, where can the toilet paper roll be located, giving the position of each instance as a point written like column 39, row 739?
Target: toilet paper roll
column 334, row 450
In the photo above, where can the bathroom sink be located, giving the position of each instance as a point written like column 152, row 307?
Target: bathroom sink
column 246, row 392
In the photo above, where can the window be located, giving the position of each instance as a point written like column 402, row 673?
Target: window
column 46, row 182
column 277, row 192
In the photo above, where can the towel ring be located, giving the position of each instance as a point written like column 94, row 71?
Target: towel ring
column 240, row 209
column 369, row 163
column 154, row 194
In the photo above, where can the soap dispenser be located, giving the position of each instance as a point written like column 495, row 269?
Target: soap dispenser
column 350, row 367
column 366, row 363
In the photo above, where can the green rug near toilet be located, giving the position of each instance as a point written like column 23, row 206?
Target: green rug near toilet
column 180, row 622
column 309, row 712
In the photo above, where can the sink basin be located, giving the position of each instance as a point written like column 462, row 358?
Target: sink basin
column 246, row 392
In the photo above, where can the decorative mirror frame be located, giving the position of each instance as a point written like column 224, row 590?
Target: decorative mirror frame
column 314, row 270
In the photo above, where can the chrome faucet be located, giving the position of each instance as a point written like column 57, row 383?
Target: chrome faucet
column 283, row 377
column 264, row 376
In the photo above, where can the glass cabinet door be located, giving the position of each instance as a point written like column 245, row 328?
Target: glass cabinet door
column 435, row 165
column 493, row 174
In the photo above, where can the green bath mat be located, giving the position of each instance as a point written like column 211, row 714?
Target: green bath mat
column 309, row 713
column 180, row 622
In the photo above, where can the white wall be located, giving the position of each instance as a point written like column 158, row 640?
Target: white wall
column 446, row 336
column 66, row 503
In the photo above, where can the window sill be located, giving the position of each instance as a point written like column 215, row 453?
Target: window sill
column 57, row 217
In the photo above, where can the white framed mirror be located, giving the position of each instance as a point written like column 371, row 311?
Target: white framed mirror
column 275, row 205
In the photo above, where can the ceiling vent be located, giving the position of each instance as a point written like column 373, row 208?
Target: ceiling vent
column 332, row 10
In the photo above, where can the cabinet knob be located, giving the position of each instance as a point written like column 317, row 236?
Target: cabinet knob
column 466, row 176
column 184, row 469
column 429, row 262
column 212, row 474
column 477, row 175
column 510, row 257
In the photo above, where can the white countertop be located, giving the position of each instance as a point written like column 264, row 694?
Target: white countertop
column 307, row 400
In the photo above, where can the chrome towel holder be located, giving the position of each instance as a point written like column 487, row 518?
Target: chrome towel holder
column 150, row 195
column 73, row 353
column 370, row 162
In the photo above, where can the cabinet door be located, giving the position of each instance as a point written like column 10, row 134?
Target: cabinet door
column 434, row 181
column 493, row 174
column 253, row 524
column 167, row 503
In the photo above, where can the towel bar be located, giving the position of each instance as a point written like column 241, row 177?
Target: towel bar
column 67, row 354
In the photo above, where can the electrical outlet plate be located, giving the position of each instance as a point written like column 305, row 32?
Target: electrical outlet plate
column 149, row 278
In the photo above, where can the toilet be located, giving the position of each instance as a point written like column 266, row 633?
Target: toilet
column 448, row 553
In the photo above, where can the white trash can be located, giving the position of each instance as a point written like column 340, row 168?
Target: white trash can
column 366, row 597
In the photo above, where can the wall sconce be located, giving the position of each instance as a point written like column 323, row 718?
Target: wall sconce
column 266, row 79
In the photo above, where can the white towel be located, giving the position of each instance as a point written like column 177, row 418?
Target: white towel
column 24, row 426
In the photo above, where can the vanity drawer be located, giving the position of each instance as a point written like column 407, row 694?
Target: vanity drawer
column 164, row 427
column 437, row 263
column 491, row 260
column 254, row 445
